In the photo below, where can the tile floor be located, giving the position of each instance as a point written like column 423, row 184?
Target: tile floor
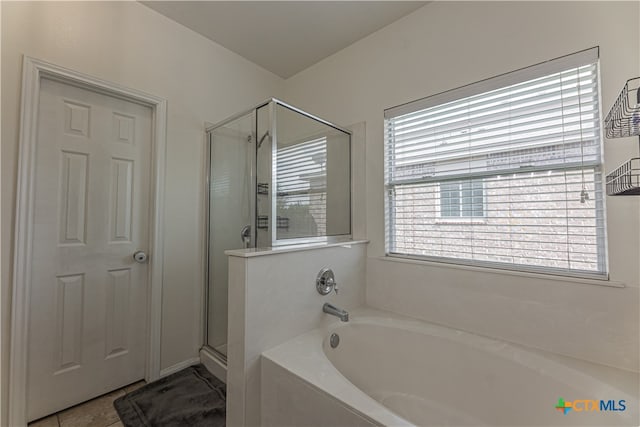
column 98, row 412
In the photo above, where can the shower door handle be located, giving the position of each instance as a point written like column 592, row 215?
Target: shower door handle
column 245, row 235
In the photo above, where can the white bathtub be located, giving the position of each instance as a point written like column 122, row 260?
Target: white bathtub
column 391, row 370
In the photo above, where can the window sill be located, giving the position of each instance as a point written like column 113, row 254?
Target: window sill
column 493, row 270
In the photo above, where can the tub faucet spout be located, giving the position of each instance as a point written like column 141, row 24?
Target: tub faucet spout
column 335, row 311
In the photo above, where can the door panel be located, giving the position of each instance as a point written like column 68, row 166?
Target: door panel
column 231, row 151
column 88, row 322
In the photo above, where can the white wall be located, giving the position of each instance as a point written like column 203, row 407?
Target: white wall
column 127, row 43
column 445, row 45
column 273, row 298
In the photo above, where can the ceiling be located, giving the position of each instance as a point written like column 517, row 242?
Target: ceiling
column 285, row 37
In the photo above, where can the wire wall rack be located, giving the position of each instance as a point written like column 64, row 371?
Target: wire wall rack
column 623, row 121
column 625, row 180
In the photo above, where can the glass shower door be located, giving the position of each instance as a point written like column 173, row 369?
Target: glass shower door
column 231, row 207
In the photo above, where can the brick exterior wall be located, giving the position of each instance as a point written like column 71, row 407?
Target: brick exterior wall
column 533, row 219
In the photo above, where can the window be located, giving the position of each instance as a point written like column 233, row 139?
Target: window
column 503, row 173
column 462, row 199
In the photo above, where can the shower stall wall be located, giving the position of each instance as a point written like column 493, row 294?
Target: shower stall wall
column 276, row 176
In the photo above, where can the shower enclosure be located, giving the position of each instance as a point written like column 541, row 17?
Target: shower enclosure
column 276, row 176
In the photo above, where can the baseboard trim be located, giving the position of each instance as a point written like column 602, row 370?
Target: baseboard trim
column 213, row 364
column 179, row 366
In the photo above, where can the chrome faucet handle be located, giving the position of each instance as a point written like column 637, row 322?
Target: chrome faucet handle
column 331, row 282
column 326, row 282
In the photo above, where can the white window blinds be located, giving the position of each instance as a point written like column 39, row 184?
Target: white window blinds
column 506, row 172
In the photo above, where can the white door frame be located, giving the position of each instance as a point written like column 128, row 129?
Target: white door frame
column 32, row 72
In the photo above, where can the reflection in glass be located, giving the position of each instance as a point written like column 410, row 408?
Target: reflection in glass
column 312, row 177
column 302, row 189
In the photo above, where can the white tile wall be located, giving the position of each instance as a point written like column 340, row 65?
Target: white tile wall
column 273, row 298
column 596, row 323
column 236, row 341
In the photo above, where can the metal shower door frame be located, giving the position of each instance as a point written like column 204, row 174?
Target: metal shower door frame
column 207, row 205
column 272, row 103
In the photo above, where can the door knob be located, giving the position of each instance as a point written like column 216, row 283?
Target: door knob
column 140, row 257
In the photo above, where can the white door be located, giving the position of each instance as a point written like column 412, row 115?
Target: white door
column 88, row 322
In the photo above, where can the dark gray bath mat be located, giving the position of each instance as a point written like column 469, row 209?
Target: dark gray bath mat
column 190, row 397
